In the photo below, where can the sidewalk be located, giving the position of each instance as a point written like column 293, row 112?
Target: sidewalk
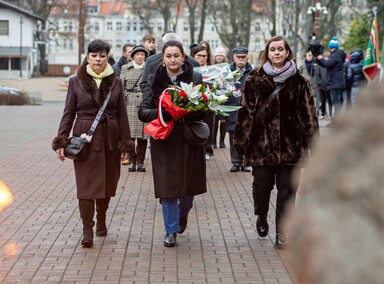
column 40, row 232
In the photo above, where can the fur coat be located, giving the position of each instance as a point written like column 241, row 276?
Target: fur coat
column 284, row 131
column 98, row 173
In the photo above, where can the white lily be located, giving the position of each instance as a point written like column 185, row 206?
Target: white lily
column 193, row 93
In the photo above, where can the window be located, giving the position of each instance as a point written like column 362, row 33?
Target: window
column 185, row 26
column 65, row 26
column 97, row 27
column 70, row 27
column 109, row 26
column 70, row 44
column 257, row 27
column 134, row 26
column 64, row 43
column 118, row 26
column 128, row 26
column 4, row 27
column 15, row 63
column 3, row 63
column 119, row 45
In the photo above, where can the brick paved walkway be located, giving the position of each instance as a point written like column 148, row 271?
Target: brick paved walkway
column 40, row 232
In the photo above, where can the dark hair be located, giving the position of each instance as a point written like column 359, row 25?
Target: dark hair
column 149, row 38
column 127, row 45
column 201, row 48
column 172, row 43
column 98, row 45
column 263, row 57
column 208, row 46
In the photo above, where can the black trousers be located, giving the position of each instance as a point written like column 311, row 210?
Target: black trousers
column 264, row 179
column 138, row 155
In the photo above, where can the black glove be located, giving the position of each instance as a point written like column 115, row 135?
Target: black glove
column 196, row 115
column 166, row 116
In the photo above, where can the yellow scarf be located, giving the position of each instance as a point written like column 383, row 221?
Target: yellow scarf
column 108, row 70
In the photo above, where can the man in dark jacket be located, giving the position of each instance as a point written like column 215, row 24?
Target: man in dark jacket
column 335, row 71
column 127, row 50
column 355, row 74
column 240, row 63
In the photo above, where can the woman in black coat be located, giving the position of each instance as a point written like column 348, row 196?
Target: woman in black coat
column 179, row 170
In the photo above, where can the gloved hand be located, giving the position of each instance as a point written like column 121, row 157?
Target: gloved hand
column 166, row 116
column 195, row 115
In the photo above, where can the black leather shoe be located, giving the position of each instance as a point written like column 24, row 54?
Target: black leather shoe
column 245, row 169
column 262, row 226
column 170, row 240
column 101, row 230
column 132, row 167
column 222, row 145
column 183, row 220
column 214, row 145
column 281, row 241
column 235, row 168
column 86, row 242
column 140, row 167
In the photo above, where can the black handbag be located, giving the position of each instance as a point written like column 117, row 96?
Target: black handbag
column 196, row 133
column 77, row 147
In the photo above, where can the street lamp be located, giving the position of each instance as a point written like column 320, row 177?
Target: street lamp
column 316, row 11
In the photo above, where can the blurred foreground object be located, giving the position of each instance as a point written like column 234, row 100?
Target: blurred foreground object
column 337, row 226
column 5, row 196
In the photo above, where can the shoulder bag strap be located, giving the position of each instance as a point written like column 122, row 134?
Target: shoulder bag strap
column 91, row 131
column 270, row 98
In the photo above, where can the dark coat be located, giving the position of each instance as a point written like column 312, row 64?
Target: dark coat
column 118, row 65
column 335, row 70
column 98, row 173
column 178, row 168
column 283, row 132
column 235, row 101
column 355, row 70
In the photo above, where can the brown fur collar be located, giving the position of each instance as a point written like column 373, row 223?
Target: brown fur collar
column 89, row 87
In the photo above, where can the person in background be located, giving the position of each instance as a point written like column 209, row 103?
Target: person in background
column 208, row 47
column 310, row 69
column 355, row 74
column 98, row 173
column 176, row 164
column 124, row 59
column 130, row 75
column 325, row 98
column 201, row 55
column 111, row 60
column 241, row 64
column 220, row 56
column 275, row 143
column 335, row 72
column 149, row 44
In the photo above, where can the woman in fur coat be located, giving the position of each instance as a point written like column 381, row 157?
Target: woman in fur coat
column 281, row 136
column 179, row 170
column 98, row 173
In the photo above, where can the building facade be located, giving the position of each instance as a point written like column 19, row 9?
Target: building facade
column 19, row 39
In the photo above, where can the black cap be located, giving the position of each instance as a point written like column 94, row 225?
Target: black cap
column 138, row 48
column 240, row 50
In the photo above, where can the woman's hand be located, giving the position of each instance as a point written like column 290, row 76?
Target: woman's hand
column 124, row 156
column 60, row 154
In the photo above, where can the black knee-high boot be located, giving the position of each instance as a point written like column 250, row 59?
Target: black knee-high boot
column 87, row 210
column 223, row 130
column 101, row 210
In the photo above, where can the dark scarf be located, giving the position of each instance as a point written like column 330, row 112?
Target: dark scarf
column 310, row 67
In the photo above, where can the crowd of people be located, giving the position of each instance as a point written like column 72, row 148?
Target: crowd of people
column 269, row 135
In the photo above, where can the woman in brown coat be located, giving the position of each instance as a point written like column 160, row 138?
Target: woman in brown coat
column 276, row 142
column 179, row 170
column 98, row 173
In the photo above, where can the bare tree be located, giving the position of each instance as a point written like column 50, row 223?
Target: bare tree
column 192, row 7
column 145, row 10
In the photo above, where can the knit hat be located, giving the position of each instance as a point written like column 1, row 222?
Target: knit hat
column 138, row 48
column 220, row 51
column 333, row 43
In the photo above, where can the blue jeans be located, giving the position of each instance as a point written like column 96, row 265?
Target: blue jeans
column 173, row 208
column 337, row 100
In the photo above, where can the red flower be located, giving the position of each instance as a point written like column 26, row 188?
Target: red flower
column 182, row 94
column 204, row 96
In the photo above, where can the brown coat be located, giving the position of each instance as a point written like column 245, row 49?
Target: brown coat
column 98, row 173
column 284, row 130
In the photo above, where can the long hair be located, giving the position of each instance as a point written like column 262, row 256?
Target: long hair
column 263, row 57
column 208, row 47
column 201, row 48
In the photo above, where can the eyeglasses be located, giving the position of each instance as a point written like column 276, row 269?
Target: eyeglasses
column 201, row 55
